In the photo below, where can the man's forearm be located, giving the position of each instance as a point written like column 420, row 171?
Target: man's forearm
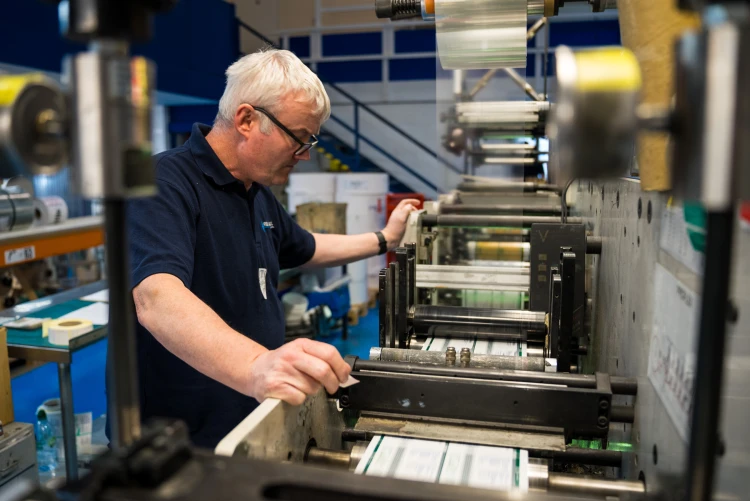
column 336, row 250
column 193, row 332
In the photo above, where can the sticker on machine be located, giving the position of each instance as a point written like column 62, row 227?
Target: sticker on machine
column 671, row 360
column 13, row 256
column 677, row 234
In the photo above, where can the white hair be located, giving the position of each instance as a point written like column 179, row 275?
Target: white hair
column 263, row 78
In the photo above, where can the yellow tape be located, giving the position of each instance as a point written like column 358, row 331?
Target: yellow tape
column 12, row 85
column 607, row 69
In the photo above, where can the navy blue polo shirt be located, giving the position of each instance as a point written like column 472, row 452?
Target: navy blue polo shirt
column 227, row 245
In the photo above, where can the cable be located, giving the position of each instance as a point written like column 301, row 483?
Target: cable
column 563, row 202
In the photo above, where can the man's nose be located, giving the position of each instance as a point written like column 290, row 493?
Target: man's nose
column 303, row 156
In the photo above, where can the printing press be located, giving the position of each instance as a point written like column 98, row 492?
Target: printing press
column 438, row 366
column 593, row 359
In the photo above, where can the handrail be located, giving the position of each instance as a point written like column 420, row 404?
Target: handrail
column 385, row 153
column 359, row 103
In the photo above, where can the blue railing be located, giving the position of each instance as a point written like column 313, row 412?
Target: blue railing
column 379, row 149
column 358, row 136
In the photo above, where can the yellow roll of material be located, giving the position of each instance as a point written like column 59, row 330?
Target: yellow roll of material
column 650, row 28
column 497, row 251
column 60, row 332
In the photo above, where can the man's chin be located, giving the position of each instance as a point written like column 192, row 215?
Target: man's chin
column 282, row 176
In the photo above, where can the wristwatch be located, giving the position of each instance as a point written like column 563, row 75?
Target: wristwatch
column 383, row 243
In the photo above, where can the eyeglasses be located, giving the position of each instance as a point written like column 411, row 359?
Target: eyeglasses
column 303, row 147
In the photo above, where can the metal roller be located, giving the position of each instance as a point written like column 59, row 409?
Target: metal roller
column 475, row 221
column 477, row 332
column 594, row 486
column 511, row 187
column 337, row 459
column 16, row 209
column 489, row 251
column 425, row 316
column 502, row 115
column 540, row 478
column 620, row 385
column 499, row 209
column 436, row 358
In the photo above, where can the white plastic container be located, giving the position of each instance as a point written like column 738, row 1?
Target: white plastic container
column 358, row 285
column 307, row 187
column 365, row 196
column 295, row 306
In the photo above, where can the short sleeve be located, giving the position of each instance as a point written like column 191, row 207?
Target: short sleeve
column 162, row 232
column 297, row 244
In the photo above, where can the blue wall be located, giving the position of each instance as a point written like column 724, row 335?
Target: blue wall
column 192, row 46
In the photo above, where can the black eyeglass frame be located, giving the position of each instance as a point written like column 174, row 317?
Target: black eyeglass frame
column 303, row 147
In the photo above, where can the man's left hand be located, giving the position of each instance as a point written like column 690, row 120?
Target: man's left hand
column 394, row 230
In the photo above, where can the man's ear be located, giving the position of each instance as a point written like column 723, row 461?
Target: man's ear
column 244, row 119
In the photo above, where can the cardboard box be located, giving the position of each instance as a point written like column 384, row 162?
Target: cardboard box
column 322, row 218
column 6, row 400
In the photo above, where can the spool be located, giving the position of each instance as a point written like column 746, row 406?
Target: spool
column 481, row 34
column 60, row 332
column 32, row 111
column 49, row 210
column 16, row 208
column 498, row 251
column 594, row 124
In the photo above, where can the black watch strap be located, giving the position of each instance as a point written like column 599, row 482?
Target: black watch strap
column 383, row 243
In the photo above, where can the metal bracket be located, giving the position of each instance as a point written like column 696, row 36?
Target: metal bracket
column 552, row 349
column 382, row 315
column 579, row 412
column 567, row 308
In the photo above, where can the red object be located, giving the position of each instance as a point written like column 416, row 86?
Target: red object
column 391, row 202
column 745, row 214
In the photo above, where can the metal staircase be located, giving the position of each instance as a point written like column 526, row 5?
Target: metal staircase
column 344, row 138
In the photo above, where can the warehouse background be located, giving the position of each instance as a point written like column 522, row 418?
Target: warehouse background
column 386, row 70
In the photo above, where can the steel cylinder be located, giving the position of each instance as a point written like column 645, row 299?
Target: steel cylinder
column 476, row 332
column 112, row 101
column 437, row 358
column 584, row 484
column 325, row 457
column 16, row 209
column 481, row 221
column 499, row 209
column 426, row 316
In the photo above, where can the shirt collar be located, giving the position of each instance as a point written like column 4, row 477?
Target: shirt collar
column 206, row 158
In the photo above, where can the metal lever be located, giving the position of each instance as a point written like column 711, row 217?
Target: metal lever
column 552, row 348
column 383, row 316
column 567, row 307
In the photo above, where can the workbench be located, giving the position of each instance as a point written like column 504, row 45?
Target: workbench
column 31, row 346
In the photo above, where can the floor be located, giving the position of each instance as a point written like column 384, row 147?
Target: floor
column 34, row 387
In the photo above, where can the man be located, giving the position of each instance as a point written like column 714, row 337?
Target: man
column 206, row 253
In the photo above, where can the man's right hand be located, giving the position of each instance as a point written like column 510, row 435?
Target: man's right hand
column 296, row 370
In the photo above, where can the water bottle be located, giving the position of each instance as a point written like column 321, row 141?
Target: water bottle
column 46, row 452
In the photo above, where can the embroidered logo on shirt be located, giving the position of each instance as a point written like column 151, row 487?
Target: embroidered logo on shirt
column 266, row 225
column 262, row 272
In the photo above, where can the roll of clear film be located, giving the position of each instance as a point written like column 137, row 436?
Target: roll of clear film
column 481, row 34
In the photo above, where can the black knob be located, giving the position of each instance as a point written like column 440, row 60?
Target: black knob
column 398, row 9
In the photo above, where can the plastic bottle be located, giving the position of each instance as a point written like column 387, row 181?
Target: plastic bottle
column 46, row 452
